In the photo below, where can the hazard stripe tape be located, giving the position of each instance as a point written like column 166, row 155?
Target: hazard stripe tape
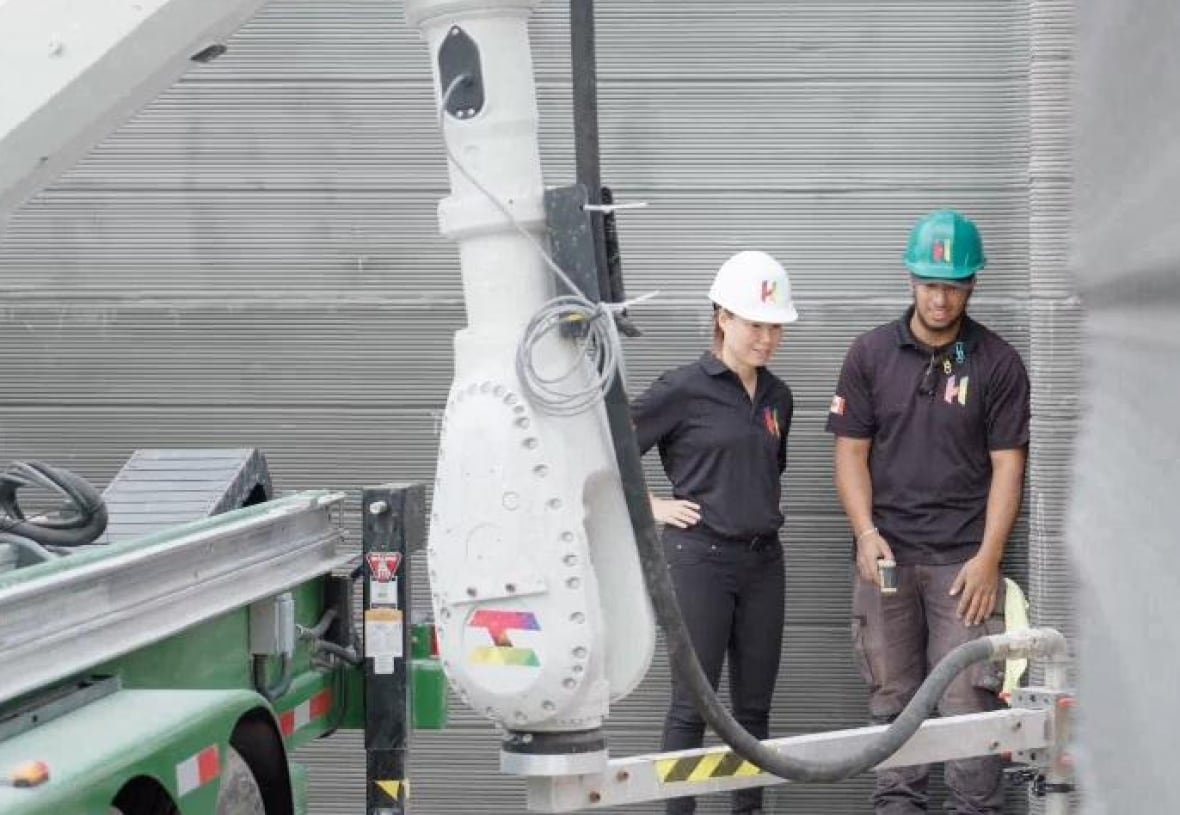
column 306, row 712
column 397, row 790
column 198, row 770
column 704, row 767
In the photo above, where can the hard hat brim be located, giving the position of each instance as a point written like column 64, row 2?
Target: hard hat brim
column 772, row 315
column 937, row 271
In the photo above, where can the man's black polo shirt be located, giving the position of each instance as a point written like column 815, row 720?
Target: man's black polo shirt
column 720, row 448
column 934, row 416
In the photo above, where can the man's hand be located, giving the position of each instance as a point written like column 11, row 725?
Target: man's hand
column 870, row 548
column 978, row 582
column 675, row 512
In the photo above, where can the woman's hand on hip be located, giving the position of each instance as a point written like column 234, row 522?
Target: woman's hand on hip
column 675, row 512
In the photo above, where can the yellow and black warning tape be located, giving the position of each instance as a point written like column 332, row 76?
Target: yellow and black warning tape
column 398, row 790
column 718, row 764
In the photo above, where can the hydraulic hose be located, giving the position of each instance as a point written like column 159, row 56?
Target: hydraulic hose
column 262, row 682
column 80, row 521
column 687, row 667
column 35, row 550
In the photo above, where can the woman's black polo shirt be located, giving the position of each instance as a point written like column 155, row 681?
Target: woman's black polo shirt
column 720, row 448
column 934, row 416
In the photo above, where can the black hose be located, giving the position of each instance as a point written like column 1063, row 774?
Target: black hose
column 262, row 681
column 688, row 669
column 349, row 655
column 80, row 521
column 31, row 548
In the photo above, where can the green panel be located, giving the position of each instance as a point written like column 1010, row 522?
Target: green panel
column 154, row 733
column 213, row 654
column 429, row 695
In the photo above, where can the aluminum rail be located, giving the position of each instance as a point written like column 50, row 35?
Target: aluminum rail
column 719, row 769
column 62, row 618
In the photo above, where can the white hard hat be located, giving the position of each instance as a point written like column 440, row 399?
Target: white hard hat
column 754, row 286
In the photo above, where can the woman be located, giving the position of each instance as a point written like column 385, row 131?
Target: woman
column 721, row 425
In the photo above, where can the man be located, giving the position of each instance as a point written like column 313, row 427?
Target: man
column 931, row 419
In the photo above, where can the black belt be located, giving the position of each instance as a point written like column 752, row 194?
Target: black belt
column 764, row 540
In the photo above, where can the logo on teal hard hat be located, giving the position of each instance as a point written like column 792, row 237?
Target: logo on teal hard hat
column 945, row 245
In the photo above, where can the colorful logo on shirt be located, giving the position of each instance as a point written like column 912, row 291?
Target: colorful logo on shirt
column 770, row 419
column 769, row 291
column 941, row 251
column 504, row 652
column 838, row 405
column 956, row 391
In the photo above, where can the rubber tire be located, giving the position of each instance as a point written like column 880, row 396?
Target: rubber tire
column 239, row 793
column 145, row 800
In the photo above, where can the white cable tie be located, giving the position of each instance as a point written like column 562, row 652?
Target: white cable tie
column 626, row 304
column 609, row 208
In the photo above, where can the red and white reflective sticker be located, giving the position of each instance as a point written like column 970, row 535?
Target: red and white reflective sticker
column 383, row 566
column 306, row 712
column 197, row 771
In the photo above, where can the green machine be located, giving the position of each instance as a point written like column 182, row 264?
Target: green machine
column 174, row 662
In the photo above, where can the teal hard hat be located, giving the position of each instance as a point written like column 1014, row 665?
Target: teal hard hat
column 945, row 245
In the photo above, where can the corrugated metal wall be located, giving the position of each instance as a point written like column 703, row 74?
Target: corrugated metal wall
column 253, row 261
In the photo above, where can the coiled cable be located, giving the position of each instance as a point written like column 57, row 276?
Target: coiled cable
column 595, row 364
column 80, row 520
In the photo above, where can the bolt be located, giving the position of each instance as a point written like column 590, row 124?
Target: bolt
column 595, row 797
column 510, row 588
column 623, row 776
column 378, row 508
column 471, row 592
column 995, row 745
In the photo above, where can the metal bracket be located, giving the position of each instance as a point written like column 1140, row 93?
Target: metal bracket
column 458, row 56
column 1053, row 765
column 571, row 239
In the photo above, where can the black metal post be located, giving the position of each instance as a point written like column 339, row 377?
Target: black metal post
column 394, row 523
column 588, row 160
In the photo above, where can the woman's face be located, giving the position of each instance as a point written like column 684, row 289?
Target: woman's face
column 749, row 343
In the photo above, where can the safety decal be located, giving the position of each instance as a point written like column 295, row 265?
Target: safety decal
column 198, row 770
column 383, row 567
column 384, row 638
column 770, row 419
column 717, row 764
column 941, row 251
column 306, row 712
column 956, row 391
column 394, row 789
column 838, row 405
column 504, row 652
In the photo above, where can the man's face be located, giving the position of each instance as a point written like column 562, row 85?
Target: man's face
column 940, row 305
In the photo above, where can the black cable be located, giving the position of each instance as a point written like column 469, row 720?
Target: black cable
column 688, row 669
column 80, row 520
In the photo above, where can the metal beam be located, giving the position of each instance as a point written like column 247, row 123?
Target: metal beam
column 698, row 772
column 71, row 72
column 62, row 618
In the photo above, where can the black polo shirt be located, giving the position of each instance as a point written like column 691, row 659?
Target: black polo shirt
column 934, row 415
column 720, row 448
